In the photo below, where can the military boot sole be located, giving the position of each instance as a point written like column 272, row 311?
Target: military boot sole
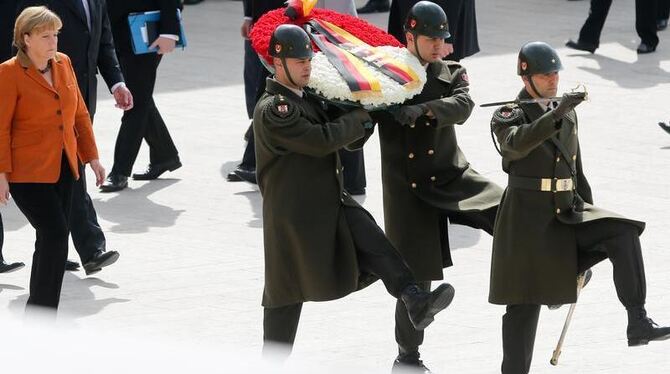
column 441, row 297
column 10, row 268
column 644, row 341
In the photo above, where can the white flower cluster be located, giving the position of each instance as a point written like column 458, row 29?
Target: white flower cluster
column 328, row 82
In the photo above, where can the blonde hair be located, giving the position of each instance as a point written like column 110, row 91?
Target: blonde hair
column 34, row 19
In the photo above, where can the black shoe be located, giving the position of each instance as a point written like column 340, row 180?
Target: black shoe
column 662, row 24
column 247, row 175
column 192, row 2
column 373, row 6
column 232, row 177
column 8, row 268
column 645, row 48
column 587, row 278
column 155, row 170
column 641, row 329
column 581, row 46
column 114, row 182
column 409, row 363
column 422, row 306
column 99, row 260
column 356, row 191
column 665, row 127
column 71, row 265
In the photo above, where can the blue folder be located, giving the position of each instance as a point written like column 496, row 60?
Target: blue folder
column 144, row 31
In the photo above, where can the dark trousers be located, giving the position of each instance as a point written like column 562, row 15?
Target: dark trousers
column 408, row 338
column 47, row 208
column 645, row 21
column 376, row 255
column 353, row 175
column 255, row 75
column 87, row 235
column 143, row 121
column 663, row 10
column 621, row 243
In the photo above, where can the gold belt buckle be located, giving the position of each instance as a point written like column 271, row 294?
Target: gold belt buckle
column 545, row 184
column 564, row 184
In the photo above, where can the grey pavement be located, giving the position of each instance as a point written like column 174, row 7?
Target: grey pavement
column 191, row 266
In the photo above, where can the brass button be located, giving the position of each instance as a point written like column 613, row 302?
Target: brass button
column 430, row 151
column 574, row 131
column 574, row 157
column 558, row 211
column 412, row 125
column 558, row 159
column 413, row 185
column 427, row 123
column 433, row 178
column 411, row 155
column 337, row 171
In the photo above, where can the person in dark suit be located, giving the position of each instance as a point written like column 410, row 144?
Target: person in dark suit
column 662, row 14
column 86, row 37
column 40, row 150
column 462, row 19
column 645, row 25
column 143, row 121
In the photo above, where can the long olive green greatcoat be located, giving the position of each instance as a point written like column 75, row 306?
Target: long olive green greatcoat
column 309, row 252
column 535, row 256
column 424, row 172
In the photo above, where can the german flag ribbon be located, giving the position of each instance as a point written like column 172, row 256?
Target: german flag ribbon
column 382, row 61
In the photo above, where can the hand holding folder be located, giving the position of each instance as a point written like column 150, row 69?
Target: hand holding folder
column 145, row 35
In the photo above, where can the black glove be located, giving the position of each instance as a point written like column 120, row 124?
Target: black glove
column 568, row 102
column 407, row 114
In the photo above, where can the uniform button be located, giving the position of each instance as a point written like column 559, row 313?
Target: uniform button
column 342, row 199
column 558, row 159
column 413, row 185
column 430, row 151
column 337, row 171
column 411, row 155
column 574, row 157
column 58, row 112
column 574, row 131
column 558, row 211
column 433, row 178
column 412, row 125
column 427, row 123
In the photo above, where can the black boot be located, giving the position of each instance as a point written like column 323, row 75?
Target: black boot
column 409, row 363
column 665, row 127
column 422, row 306
column 641, row 329
column 10, row 267
column 373, row 6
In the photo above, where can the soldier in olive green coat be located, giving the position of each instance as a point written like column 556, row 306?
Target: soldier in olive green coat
column 319, row 243
column 547, row 230
column 426, row 178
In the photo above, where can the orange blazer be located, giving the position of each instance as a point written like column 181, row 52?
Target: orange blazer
column 39, row 122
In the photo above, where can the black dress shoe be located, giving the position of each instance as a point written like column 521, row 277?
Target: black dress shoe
column 99, row 260
column 665, row 127
column 373, row 6
column 356, row 191
column 641, row 329
column 71, row 265
column 581, row 46
column 587, row 278
column 409, row 363
column 422, row 306
column 247, row 175
column 155, row 170
column 8, row 268
column 192, row 2
column 232, row 177
column 662, row 24
column 645, row 48
column 114, row 182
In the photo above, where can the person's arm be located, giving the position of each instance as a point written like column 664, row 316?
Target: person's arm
column 108, row 64
column 8, row 98
column 516, row 137
column 457, row 106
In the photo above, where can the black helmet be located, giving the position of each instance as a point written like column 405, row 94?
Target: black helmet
column 428, row 19
column 538, row 58
column 290, row 41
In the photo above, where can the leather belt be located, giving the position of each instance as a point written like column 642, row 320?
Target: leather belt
column 541, row 184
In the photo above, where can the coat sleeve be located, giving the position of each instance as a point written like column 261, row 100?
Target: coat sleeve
column 457, row 106
column 169, row 23
column 8, row 98
column 288, row 130
column 583, row 186
column 518, row 138
column 108, row 64
column 86, row 148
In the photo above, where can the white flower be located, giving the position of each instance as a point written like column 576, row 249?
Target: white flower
column 328, row 82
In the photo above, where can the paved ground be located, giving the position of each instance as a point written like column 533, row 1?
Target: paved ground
column 190, row 273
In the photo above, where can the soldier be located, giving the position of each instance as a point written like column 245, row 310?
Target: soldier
column 319, row 243
column 547, row 230
column 426, row 178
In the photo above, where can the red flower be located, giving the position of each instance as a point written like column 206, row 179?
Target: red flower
column 262, row 30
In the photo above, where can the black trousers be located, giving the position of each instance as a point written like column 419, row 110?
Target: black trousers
column 621, row 243
column 408, row 338
column 143, row 121
column 47, row 208
column 376, row 255
column 255, row 75
column 354, row 170
column 645, row 21
column 86, row 232
column 663, row 10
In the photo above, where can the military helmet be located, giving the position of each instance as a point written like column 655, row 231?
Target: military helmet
column 290, row 41
column 428, row 19
column 538, row 58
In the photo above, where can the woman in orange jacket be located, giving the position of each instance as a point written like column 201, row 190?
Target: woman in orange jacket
column 44, row 128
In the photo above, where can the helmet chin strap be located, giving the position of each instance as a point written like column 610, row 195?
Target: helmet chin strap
column 416, row 48
column 532, row 86
column 288, row 75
